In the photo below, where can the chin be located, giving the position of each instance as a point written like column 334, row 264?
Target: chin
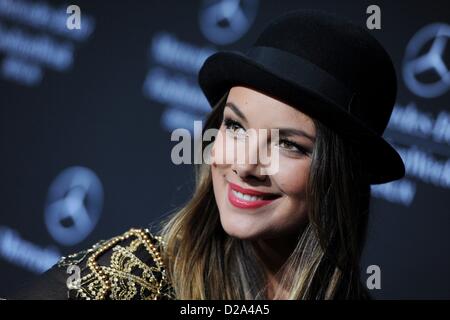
column 241, row 235
column 243, row 230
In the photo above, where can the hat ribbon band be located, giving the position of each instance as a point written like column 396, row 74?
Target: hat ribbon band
column 304, row 73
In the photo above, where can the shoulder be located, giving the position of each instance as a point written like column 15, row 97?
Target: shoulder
column 127, row 266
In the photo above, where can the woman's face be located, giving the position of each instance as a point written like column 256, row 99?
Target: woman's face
column 253, row 204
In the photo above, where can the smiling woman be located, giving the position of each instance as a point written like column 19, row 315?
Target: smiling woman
column 293, row 233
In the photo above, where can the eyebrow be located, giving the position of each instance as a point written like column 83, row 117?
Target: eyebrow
column 236, row 110
column 285, row 132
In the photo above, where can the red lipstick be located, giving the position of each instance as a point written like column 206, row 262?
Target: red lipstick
column 248, row 198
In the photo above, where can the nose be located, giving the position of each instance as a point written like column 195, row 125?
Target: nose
column 247, row 162
column 246, row 171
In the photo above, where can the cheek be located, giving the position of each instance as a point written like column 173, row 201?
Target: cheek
column 292, row 178
column 218, row 184
column 222, row 152
column 218, row 173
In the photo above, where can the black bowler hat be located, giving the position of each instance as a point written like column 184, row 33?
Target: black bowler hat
column 327, row 67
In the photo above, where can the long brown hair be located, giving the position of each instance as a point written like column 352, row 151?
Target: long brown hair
column 203, row 262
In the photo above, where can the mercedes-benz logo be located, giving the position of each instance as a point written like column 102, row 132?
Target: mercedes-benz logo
column 416, row 62
column 74, row 204
column 225, row 21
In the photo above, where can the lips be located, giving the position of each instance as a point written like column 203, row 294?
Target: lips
column 248, row 198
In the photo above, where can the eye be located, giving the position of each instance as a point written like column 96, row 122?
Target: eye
column 292, row 146
column 234, row 126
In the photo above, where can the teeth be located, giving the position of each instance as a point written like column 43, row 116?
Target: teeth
column 245, row 197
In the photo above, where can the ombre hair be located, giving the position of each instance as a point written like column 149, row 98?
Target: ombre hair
column 204, row 262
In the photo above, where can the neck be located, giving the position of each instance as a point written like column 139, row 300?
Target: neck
column 273, row 253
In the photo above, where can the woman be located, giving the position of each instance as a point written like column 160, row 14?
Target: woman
column 327, row 88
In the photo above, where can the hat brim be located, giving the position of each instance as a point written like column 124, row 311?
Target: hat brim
column 225, row 69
